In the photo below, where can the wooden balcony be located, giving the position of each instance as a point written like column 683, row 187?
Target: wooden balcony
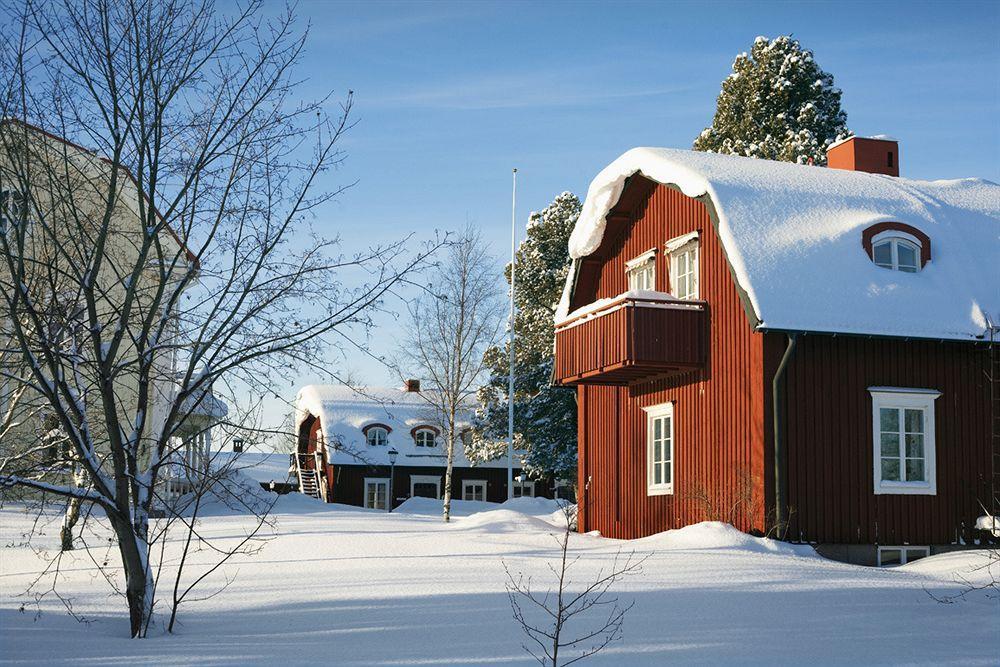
column 631, row 339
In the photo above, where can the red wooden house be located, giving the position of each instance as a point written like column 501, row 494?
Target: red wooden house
column 799, row 350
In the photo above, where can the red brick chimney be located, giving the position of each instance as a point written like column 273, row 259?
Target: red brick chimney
column 412, row 386
column 876, row 155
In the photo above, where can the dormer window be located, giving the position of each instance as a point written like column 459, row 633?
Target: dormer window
column 897, row 246
column 641, row 271
column 896, row 253
column 425, row 437
column 376, row 435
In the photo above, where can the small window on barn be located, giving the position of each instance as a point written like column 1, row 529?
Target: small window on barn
column 901, row 555
column 377, row 435
column 641, row 271
column 897, row 253
column 683, row 252
column 660, row 449
column 903, row 438
column 424, row 437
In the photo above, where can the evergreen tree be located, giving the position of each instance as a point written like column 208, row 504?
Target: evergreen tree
column 777, row 105
column 544, row 416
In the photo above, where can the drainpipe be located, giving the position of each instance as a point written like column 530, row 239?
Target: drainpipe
column 777, row 394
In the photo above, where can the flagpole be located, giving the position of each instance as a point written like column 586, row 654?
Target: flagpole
column 510, row 343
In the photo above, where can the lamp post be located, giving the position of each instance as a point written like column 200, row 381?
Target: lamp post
column 392, row 473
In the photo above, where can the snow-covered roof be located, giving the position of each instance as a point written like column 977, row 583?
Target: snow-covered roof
column 262, row 467
column 792, row 234
column 345, row 411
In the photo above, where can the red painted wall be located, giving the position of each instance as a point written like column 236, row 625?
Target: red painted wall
column 718, row 410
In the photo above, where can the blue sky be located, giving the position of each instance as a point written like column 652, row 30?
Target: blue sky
column 451, row 96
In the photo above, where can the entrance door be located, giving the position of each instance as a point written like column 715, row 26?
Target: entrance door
column 425, row 486
column 377, row 493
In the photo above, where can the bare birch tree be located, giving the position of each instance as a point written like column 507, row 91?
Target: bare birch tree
column 164, row 175
column 452, row 323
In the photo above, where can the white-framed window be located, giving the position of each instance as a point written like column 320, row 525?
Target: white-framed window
column 660, row 449
column 425, row 486
column 641, row 271
column 474, row 489
column 684, row 266
column 524, row 489
column 13, row 207
column 897, row 251
column 901, row 555
column 377, row 493
column 377, row 436
column 425, row 437
column 563, row 489
column 903, row 438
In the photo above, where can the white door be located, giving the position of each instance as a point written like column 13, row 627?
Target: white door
column 377, row 493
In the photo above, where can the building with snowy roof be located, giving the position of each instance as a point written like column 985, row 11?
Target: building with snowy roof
column 361, row 446
column 800, row 350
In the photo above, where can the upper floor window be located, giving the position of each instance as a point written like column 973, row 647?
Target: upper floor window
column 641, row 271
column 660, row 449
column 903, row 438
column 684, row 266
column 896, row 253
column 424, row 437
column 377, row 435
column 897, row 246
column 13, row 207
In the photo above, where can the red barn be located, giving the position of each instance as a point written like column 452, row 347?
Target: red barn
column 799, row 350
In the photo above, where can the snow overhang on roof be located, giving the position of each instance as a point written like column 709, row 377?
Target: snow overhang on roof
column 792, row 235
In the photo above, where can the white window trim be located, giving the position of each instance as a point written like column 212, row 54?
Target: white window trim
column 425, row 430
column 469, row 483
column 679, row 246
column 902, row 397
column 902, row 549
column 378, row 480
column 426, row 479
column 896, row 234
column 525, row 484
column 893, row 239
column 368, row 439
column 653, row 412
column 680, row 241
column 641, row 259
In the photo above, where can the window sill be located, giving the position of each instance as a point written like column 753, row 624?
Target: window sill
column 905, row 488
column 662, row 490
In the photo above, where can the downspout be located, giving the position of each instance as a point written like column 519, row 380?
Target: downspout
column 777, row 396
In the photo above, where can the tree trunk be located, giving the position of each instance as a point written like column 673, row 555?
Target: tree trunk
column 447, row 472
column 133, row 545
column 69, row 523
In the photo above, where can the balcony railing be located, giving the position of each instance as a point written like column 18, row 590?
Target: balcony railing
column 631, row 339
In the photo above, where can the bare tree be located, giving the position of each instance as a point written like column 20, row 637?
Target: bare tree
column 453, row 322
column 566, row 624
column 164, row 176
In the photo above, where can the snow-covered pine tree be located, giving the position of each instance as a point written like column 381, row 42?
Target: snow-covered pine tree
column 777, row 105
column 544, row 416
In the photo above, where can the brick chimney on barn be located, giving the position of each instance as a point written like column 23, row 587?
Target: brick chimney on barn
column 876, row 155
column 412, row 386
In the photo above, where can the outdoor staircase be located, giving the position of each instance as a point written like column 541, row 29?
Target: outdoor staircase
column 309, row 483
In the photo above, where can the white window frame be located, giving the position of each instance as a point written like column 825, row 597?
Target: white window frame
column 374, row 429
column 894, row 238
column 377, row 480
column 426, row 479
column 418, row 431
column 470, row 483
column 904, row 398
column 902, row 549
column 643, row 265
column 678, row 247
column 524, row 484
column 653, row 413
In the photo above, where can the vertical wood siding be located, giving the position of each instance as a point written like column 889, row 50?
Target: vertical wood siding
column 829, row 438
column 718, row 410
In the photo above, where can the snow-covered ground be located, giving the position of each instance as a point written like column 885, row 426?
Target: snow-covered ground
column 346, row 586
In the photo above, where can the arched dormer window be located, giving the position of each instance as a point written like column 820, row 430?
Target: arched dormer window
column 425, row 436
column 896, row 246
column 376, row 434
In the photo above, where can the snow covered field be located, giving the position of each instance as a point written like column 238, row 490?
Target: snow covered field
column 346, row 586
